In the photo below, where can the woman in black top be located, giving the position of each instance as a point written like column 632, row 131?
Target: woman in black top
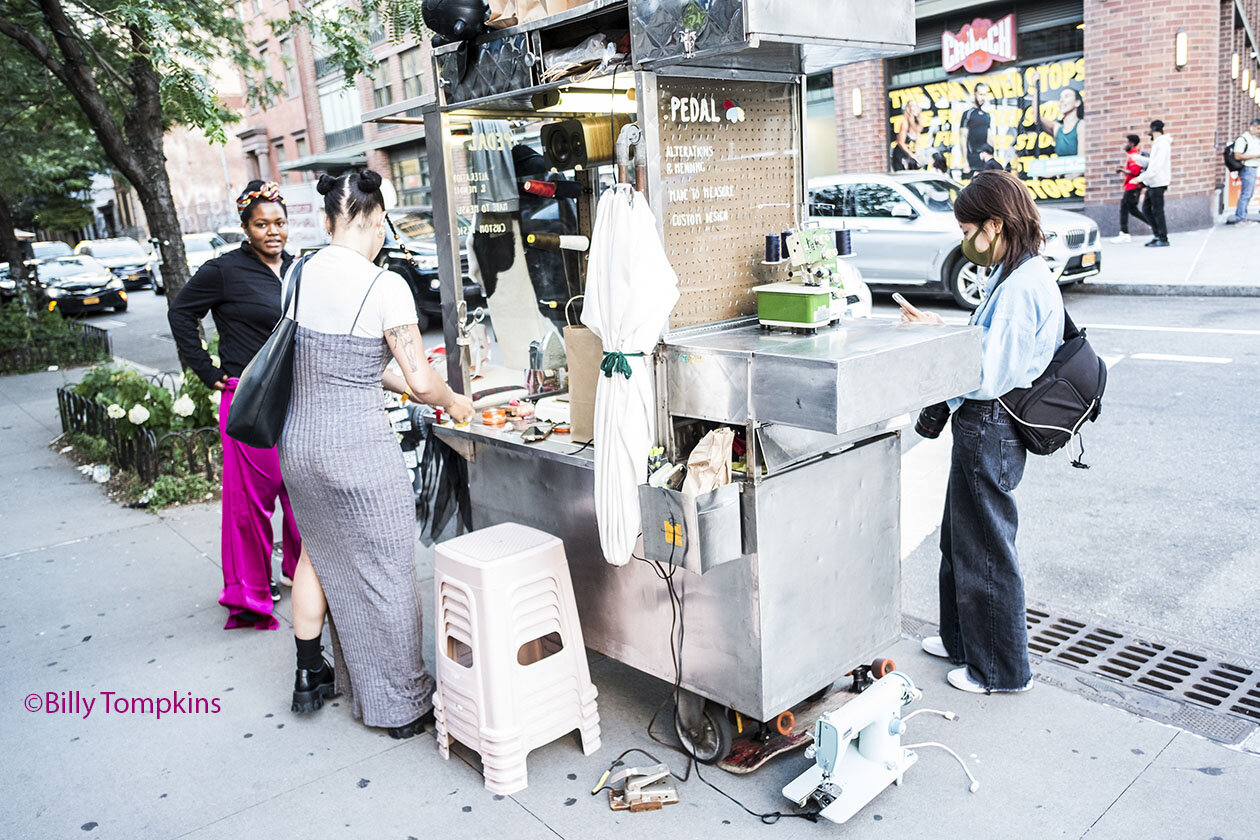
column 241, row 289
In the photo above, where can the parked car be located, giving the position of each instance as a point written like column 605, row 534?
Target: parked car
column 8, row 287
column 905, row 238
column 414, row 256
column 71, row 285
column 46, row 249
column 200, row 248
column 231, row 235
column 126, row 258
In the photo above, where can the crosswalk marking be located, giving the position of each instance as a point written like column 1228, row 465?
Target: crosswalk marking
column 1170, row 357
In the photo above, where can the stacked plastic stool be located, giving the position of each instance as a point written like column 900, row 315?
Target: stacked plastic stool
column 511, row 665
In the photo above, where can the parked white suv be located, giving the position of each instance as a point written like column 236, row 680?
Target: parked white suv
column 905, row 237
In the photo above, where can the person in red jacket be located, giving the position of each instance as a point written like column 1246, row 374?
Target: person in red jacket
column 1134, row 163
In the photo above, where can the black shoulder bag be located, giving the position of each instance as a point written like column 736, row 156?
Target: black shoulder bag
column 261, row 401
column 1052, row 410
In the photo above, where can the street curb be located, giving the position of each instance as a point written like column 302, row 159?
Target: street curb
column 1165, row 289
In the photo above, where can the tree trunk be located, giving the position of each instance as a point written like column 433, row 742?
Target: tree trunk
column 143, row 125
column 154, row 192
column 11, row 251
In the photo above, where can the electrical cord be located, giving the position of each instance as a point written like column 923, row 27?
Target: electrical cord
column 946, row 715
column 975, row 785
column 677, row 619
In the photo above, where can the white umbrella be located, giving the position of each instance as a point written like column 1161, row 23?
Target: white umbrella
column 630, row 290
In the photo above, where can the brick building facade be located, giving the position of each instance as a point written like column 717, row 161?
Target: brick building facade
column 1120, row 60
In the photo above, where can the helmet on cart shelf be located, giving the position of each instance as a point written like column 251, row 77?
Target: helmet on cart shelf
column 454, row 20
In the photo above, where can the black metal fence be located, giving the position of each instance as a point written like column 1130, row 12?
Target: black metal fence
column 138, row 449
column 88, row 344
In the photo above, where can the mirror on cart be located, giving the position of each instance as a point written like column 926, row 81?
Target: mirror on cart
column 523, row 183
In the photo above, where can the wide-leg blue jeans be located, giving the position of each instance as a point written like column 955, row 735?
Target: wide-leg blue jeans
column 981, row 588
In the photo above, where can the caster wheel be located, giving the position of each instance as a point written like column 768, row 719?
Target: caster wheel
column 708, row 738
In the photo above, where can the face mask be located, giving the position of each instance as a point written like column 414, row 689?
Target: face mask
column 971, row 252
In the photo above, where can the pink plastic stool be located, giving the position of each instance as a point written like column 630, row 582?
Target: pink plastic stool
column 511, row 665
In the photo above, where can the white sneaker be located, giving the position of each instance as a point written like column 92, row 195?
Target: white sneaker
column 961, row 680
column 936, row 647
column 1121, row 237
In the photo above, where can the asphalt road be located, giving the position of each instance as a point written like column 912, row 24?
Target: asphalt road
column 1160, row 532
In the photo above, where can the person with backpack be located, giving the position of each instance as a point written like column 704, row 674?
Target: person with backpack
column 1246, row 151
column 982, row 610
column 1134, row 163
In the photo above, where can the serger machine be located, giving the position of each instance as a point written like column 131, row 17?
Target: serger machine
column 857, row 750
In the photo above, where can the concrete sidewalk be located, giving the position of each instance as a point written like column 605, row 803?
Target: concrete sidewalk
column 96, row 598
column 1217, row 261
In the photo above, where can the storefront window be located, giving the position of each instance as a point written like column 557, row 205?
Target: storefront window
column 409, row 172
column 1030, row 111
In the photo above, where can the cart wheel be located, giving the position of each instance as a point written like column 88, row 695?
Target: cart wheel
column 882, row 668
column 709, row 737
column 785, row 723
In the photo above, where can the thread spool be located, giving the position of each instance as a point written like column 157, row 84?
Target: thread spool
column 844, row 242
column 783, row 241
column 774, row 244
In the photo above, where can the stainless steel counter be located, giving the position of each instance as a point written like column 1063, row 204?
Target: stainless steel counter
column 844, row 377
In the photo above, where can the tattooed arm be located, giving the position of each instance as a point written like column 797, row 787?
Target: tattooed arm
column 408, row 349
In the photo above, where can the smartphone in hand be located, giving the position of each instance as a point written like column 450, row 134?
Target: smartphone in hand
column 904, row 304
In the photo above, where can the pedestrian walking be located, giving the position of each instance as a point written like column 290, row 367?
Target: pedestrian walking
column 241, row 290
column 347, row 477
column 990, row 162
column 982, row 610
column 1134, row 163
column 1156, row 178
column 1247, row 152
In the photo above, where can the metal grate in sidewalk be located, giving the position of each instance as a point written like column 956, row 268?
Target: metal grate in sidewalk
column 1224, row 683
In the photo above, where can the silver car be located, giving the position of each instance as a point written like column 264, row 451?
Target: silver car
column 905, row 237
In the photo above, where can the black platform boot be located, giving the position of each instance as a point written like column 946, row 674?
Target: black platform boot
column 412, row 729
column 311, row 687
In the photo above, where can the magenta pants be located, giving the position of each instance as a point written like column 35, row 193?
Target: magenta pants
column 251, row 484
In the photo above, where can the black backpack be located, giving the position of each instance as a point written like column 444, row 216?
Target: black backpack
column 1232, row 163
column 1052, row 410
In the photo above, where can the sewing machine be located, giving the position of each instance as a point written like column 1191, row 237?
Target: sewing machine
column 857, row 750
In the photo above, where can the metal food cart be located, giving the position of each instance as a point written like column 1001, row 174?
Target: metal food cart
column 813, row 587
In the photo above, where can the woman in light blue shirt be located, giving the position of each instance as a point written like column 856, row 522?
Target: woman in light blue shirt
column 981, row 588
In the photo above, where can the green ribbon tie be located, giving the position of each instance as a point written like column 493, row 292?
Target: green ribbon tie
column 615, row 362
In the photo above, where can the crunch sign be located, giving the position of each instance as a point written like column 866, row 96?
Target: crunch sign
column 978, row 44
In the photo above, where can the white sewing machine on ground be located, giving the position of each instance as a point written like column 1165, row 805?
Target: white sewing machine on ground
column 857, row 750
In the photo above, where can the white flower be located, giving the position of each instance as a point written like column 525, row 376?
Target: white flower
column 138, row 414
column 115, row 411
column 205, row 346
column 214, row 398
column 184, row 406
column 214, row 360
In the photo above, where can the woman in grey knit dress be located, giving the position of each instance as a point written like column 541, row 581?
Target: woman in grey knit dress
column 346, row 473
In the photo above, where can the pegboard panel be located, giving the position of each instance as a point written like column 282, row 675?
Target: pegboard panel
column 724, row 184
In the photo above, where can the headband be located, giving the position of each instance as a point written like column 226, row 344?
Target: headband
column 269, row 191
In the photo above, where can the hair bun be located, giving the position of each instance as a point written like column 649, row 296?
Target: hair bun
column 327, row 183
column 369, row 181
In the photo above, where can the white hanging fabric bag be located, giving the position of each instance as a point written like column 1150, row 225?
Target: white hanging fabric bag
column 630, row 290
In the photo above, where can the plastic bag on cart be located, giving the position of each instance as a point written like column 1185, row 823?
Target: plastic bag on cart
column 443, row 494
column 631, row 289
